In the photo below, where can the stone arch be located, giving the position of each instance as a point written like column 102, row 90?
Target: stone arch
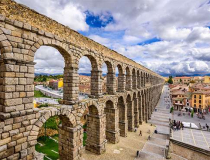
column 70, row 69
column 139, row 95
column 134, row 79
column 123, row 124
column 112, row 122
column 110, row 77
column 66, row 148
column 138, row 79
column 128, row 81
column 130, row 113
column 120, row 79
column 96, row 73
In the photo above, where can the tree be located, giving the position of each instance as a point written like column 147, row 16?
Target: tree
column 180, row 80
column 170, row 81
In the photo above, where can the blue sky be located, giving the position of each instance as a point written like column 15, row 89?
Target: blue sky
column 168, row 38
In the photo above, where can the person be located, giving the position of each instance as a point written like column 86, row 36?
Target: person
column 149, row 137
column 182, row 125
column 207, row 127
column 149, row 131
column 140, row 133
column 137, row 154
column 135, row 129
column 200, row 126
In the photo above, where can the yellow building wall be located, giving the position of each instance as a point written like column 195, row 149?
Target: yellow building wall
column 60, row 83
column 203, row 98
column 206, row 79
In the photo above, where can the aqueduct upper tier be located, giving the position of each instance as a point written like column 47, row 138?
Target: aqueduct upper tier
column 125, row 106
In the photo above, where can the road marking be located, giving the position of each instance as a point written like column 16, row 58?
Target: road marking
column 47, row 157
column 193, row 137
column 205, row 139
column 54, row 151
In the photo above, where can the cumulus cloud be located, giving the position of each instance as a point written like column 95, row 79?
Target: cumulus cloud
column 183, row 31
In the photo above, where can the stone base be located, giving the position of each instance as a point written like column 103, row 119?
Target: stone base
column 97, row 149
column 123, row 129
column 112, row 137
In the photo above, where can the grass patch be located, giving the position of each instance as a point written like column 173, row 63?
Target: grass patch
column 53, row 122
column 48, row 146
column 39, row 94
column 84, row 138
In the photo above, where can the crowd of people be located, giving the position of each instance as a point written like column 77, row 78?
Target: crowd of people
column 176, row 125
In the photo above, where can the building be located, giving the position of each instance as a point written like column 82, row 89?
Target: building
column 206, row 79
column 56, row 84
column 201, row 101
column 182, row 80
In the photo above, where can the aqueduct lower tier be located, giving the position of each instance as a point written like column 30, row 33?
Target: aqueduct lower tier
column 125, row 106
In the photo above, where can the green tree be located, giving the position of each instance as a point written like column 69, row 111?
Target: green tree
column 180, row 80
column 170, row 81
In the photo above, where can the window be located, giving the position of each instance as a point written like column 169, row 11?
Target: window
column 194, row 96
column 199, row 106
column 199, row 96
column 200, row 101
column 194, row 101
column 194, row 105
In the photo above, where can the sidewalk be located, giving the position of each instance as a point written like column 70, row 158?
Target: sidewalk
column 156, row 147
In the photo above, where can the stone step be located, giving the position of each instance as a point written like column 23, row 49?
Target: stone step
column 160, row 136
column 154, row 149
column 158, row 141
column 149, row 156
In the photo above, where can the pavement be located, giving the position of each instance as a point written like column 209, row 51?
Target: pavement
column 156, row 147
column 193, row 137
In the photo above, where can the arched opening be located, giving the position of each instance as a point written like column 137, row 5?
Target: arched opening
column 54, row 140
column 112, row 125
column 120, row 79
column 108, row 78
column 84, row 72
column 134, row 79
column 122, row 117
column 130, row 113
column 138, row 80
column 128, row 79
column 90, row 80
column 136, row 110
column 143, row 106
column 49, row 77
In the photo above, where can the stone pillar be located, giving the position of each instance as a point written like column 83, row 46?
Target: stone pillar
column 128, row 82
column 70, row 142
column 96, row 137
column 146, row 107
column 96, row 85
column 140, row 110
column 70, row 85
column 17, row 112
column 136, row 112
column 121, row 83
column 142, row 80
column 134, row 81
column 123, row 122
column 112, row 125
column 111, row 84
column 138, row 81
column 130, row 116
column 143, row 107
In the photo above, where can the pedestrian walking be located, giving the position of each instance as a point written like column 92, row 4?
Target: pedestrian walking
column 140, row 133
column 207, row 127
column 135, row 129
column 137, row 154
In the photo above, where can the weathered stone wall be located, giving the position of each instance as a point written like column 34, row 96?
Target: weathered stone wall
column 22, row 32
column 189, row 152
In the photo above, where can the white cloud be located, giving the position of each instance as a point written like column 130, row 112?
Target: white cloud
column 185, row 38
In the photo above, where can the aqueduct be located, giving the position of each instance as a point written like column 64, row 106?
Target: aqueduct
column 125, row 106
